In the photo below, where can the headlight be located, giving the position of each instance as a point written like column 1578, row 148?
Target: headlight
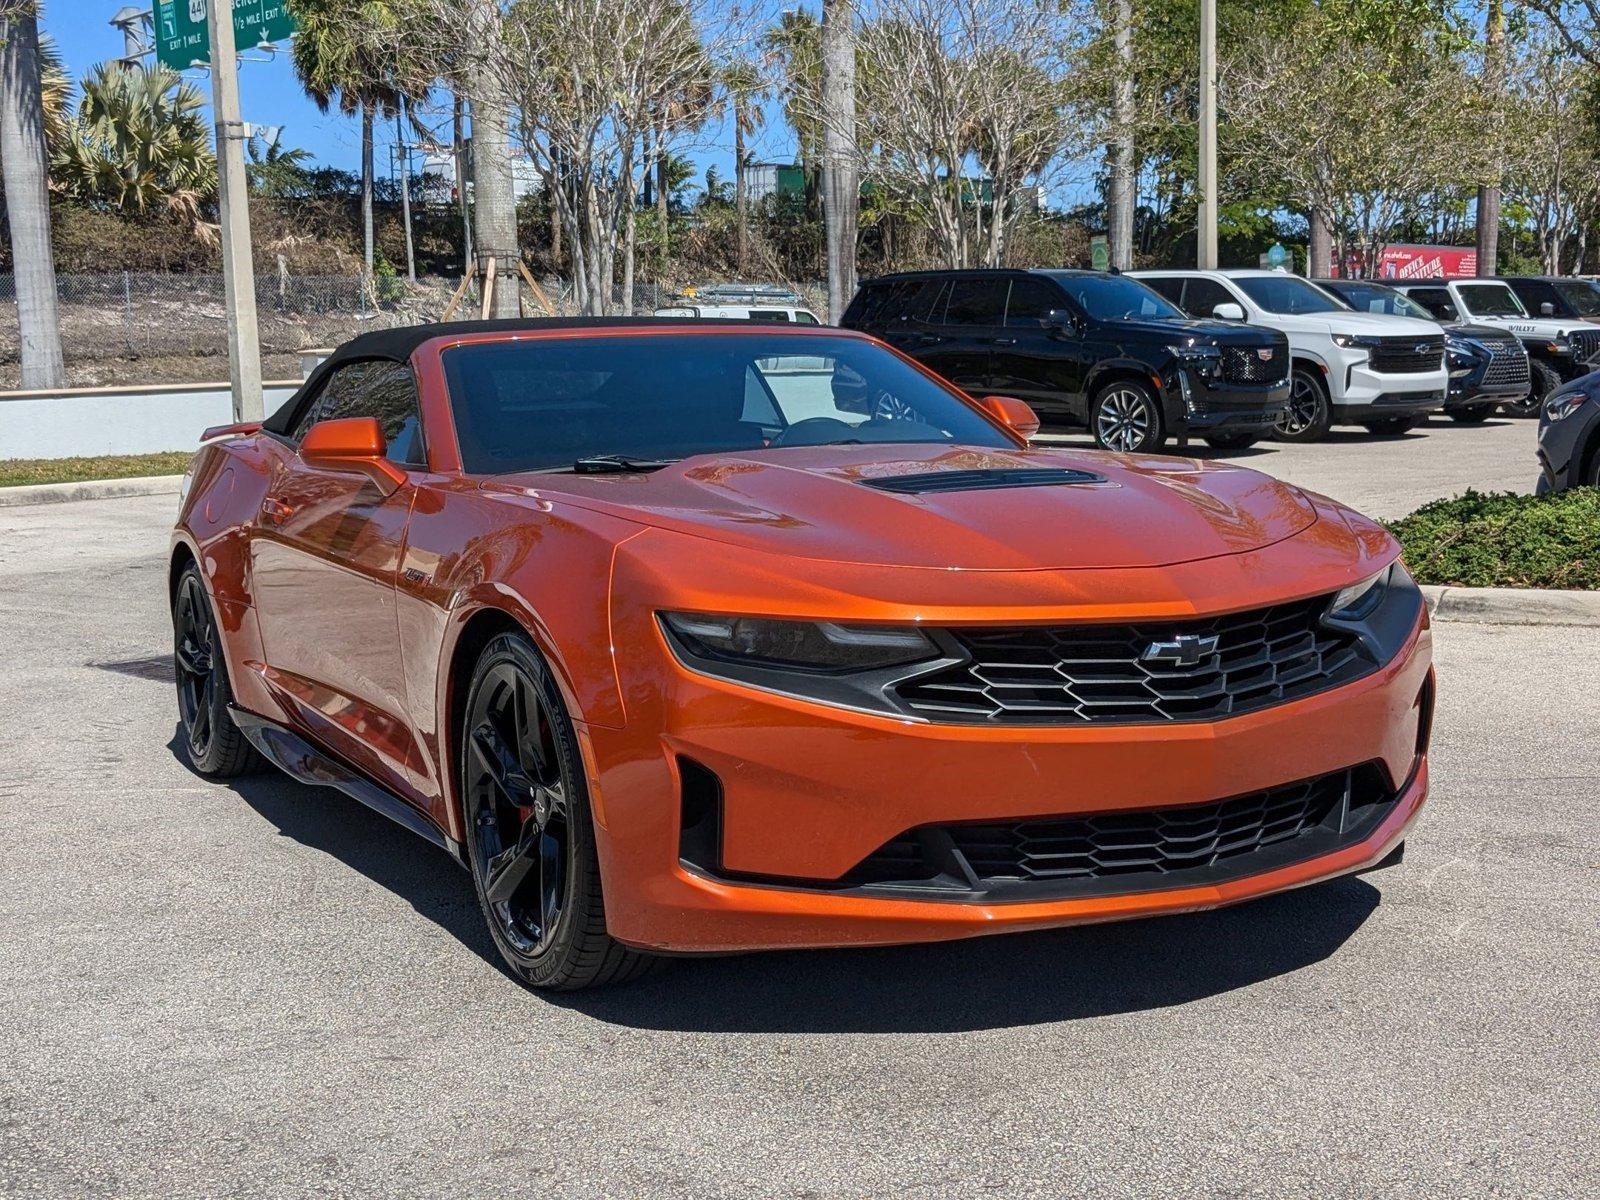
column 1351, row 341
column 1205, row 360
column 1560, row 405
column 1558, row 347
column 819, row 646
column 1359, row 599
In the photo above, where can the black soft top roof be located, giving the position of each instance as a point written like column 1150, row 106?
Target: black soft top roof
column 399, row 343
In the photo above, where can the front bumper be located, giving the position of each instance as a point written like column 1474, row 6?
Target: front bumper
column 1565, row 447
column 1195, row 405
column 808, row 792
column 1360, row 393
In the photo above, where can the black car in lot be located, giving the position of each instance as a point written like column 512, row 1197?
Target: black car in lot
column 1569, row 436
column 1090, row 347
column 1556, row 296
column 1488, row 366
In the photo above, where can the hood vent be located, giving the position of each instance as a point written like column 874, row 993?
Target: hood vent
column 982, row 480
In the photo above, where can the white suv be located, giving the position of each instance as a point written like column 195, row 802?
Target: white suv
column 1350, row 368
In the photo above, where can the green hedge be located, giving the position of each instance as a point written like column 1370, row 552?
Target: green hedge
column 1505, row 540
column 19, row 472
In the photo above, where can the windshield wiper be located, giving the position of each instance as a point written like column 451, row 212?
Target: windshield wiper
column 611, row 464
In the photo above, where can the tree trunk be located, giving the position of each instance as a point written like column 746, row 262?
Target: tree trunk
column 1319, row 251
column 841, row 186
column 1488, row 239
column 404, row 160
column 494, row 201
column 663, row 192
column 22, row 160
column 458, row 147
column 366, row 188
column 739, row 201
column 1120, row 225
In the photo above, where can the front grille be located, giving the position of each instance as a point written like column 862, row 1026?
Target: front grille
column 1140, row 849
column 1407, row 356
column 1241, row 364
column 1077, row 674
column 1508, row 363
column 1585, row 344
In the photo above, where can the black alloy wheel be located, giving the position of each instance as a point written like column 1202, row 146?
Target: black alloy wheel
column 1308, row 414
column 215, row 745
column 1545, row 381
column 1125, row 417
column 530, row 841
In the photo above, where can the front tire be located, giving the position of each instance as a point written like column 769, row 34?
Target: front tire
column 216, row 747
column 530, row 837
column 1545, row 380
column 1391, row 426
column 1309, row 414
column 1125, row 417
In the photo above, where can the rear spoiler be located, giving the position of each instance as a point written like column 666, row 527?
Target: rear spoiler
column 241, row 429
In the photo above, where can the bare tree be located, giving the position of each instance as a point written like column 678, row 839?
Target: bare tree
column 22, row 160
column 965, row 113
column 841, row 177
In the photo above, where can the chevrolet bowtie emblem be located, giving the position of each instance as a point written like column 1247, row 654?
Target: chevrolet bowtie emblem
column 1185, row 650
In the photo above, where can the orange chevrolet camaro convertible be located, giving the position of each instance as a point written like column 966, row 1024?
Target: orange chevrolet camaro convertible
column 700, row 636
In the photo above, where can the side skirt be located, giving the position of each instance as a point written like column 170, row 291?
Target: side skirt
column 299, row 759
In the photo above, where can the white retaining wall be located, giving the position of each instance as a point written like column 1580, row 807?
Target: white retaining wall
column 118, row 420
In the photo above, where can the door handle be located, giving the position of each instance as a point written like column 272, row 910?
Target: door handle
column 1004, row 341
column 275, row 511
column 926, row 339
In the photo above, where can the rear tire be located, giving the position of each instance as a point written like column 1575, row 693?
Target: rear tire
column 529, row 833
column 1391, row 426
column 216, row 747
column 1471, row 414
column 1126, row 417
column 1309, row 413
column 1232, row 441
column 1545, row 381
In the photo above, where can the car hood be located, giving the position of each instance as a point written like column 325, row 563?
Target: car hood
column 1230, row 333
column 1534, row 327
column 816, row 503
column 1361, row 324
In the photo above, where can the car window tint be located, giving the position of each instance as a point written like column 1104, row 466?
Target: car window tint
column 804, row 318
column 925, row 302
column 976, row 302
column 1169, row 286
column 376, row 388
column 1490, row 300
column 768, row 314
column 1201, row 297
column 1435, row 300
column 1031, row 302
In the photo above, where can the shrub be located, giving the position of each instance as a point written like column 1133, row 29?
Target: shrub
column 1505, row 540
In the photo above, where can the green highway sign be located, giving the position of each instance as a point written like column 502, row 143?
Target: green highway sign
column 183, row 39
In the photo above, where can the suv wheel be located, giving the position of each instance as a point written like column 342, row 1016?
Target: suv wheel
column 1545, row 381
column 1308, row 414
column 1125, row 417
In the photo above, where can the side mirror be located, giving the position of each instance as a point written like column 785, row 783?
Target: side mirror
column 1228, row 311
column 1016, row 415
column 1546, row 309
column 354, row 445
column 1061, row 320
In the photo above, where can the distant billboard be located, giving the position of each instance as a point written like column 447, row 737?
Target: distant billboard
column 1410, row 261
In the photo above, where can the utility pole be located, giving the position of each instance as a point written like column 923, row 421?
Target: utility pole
column 1206, row 240
column 238, row 271
column 136, row 36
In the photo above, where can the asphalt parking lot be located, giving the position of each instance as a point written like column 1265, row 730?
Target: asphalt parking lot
column 268, row 990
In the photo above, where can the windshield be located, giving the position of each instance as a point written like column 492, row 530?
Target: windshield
column 544, row 403
column 1490, row 300
column 1583, row 296
column 1288, row 296
column 1375, row 298
column 1118, row 298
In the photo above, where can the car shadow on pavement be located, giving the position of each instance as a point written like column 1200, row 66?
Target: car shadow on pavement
column 949, row 987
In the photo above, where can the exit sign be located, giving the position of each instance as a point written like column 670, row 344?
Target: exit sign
column 183, row 37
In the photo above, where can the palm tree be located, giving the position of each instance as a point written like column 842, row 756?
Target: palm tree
column 351, row 53
column 139, row 143
column 274, row 170
column 22, row 161
column 745, row 89
column 841, row 186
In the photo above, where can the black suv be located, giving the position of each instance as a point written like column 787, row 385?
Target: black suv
column 1488, row 366
column 1556, row 296
column 1098, row 349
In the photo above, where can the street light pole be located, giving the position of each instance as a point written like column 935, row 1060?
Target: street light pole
column 1206, row 249
column 238, row 271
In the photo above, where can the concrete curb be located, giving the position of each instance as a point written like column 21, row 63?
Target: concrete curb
column 1512, row 606
column 96, row 489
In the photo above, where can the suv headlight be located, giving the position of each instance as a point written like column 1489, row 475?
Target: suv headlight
column 1560, row 405
column 819, row 646
column 1351, row 341
column 1206, row 360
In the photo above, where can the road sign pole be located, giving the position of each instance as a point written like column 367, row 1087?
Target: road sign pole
column 238, row 272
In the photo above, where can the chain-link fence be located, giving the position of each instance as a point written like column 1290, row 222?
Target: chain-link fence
column 129, row 327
